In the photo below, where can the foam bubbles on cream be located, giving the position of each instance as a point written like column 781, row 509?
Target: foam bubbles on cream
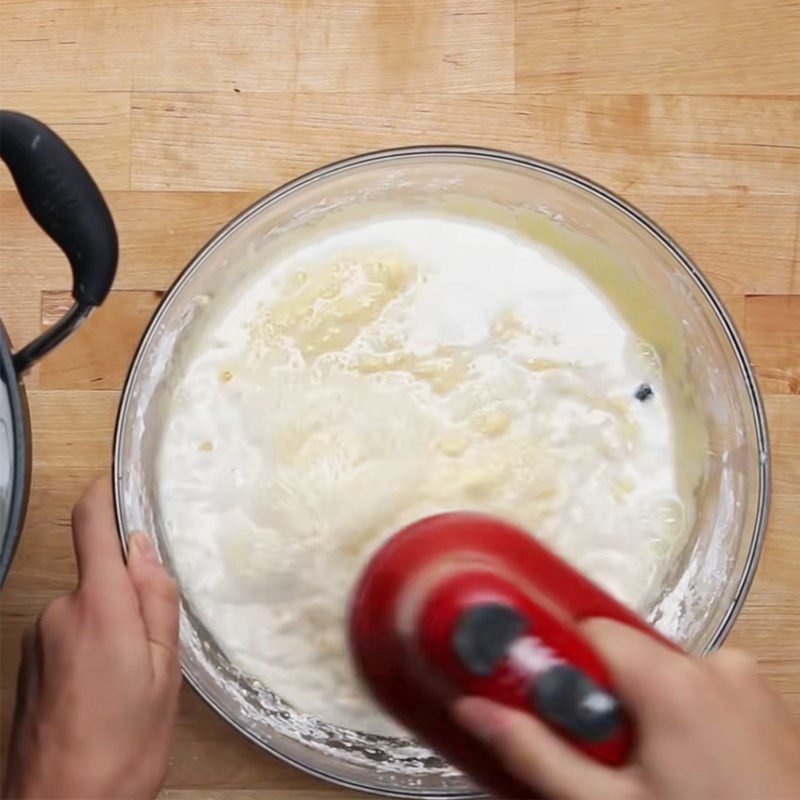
column 403, row 367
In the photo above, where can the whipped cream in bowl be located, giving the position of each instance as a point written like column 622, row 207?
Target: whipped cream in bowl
column 418, row 332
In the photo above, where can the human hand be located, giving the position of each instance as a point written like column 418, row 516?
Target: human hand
column 706, row 728
column 100, row 673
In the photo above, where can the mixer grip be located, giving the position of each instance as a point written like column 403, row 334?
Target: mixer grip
column 463, row 604
column 487, row 637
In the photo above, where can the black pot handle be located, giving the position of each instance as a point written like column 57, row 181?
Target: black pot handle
column 62, row 197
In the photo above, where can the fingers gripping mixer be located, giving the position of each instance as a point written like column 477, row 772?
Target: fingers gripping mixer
column 465, row 604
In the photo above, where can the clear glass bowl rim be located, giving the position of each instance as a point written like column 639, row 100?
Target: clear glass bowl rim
column 500, row 158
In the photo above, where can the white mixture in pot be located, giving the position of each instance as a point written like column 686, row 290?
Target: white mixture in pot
column 401, row 367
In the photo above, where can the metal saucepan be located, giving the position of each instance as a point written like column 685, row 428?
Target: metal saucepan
column 62, row 197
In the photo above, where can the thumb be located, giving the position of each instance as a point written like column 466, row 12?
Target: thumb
column 157, row 593
column 648, row 674
column 535, row 755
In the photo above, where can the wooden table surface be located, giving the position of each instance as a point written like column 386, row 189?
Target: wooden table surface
column 185, row 111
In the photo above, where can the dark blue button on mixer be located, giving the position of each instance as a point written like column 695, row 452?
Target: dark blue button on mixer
column 570, row 699
column 483, row 634
column 561, row 694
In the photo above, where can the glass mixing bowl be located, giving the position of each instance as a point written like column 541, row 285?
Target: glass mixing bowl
column 632, row 260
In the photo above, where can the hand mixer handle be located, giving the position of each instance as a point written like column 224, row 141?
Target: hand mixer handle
column 562, row 694
column 465, row 604
column 487, row 636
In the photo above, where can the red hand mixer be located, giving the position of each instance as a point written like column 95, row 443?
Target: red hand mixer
column 466, row 604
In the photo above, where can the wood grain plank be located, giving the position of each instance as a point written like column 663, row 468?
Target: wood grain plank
column 743, row 242
column 19, row 311
column 773, row 342
column 320, row 45
column 96, row 125
column 668, row 145
column 44, row 565
column 770, row 621
column 735, row 306
column 783, row 413
column 680, row 47
column 68, row 45
column 99, row 354
column 794, row 269
column 74, row 429
column 326, row 45
column 159, row 232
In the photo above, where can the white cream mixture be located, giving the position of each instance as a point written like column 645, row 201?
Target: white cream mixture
column 393, row 369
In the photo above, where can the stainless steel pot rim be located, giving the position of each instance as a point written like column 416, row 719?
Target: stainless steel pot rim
column 19, row 429
column 499, row 157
